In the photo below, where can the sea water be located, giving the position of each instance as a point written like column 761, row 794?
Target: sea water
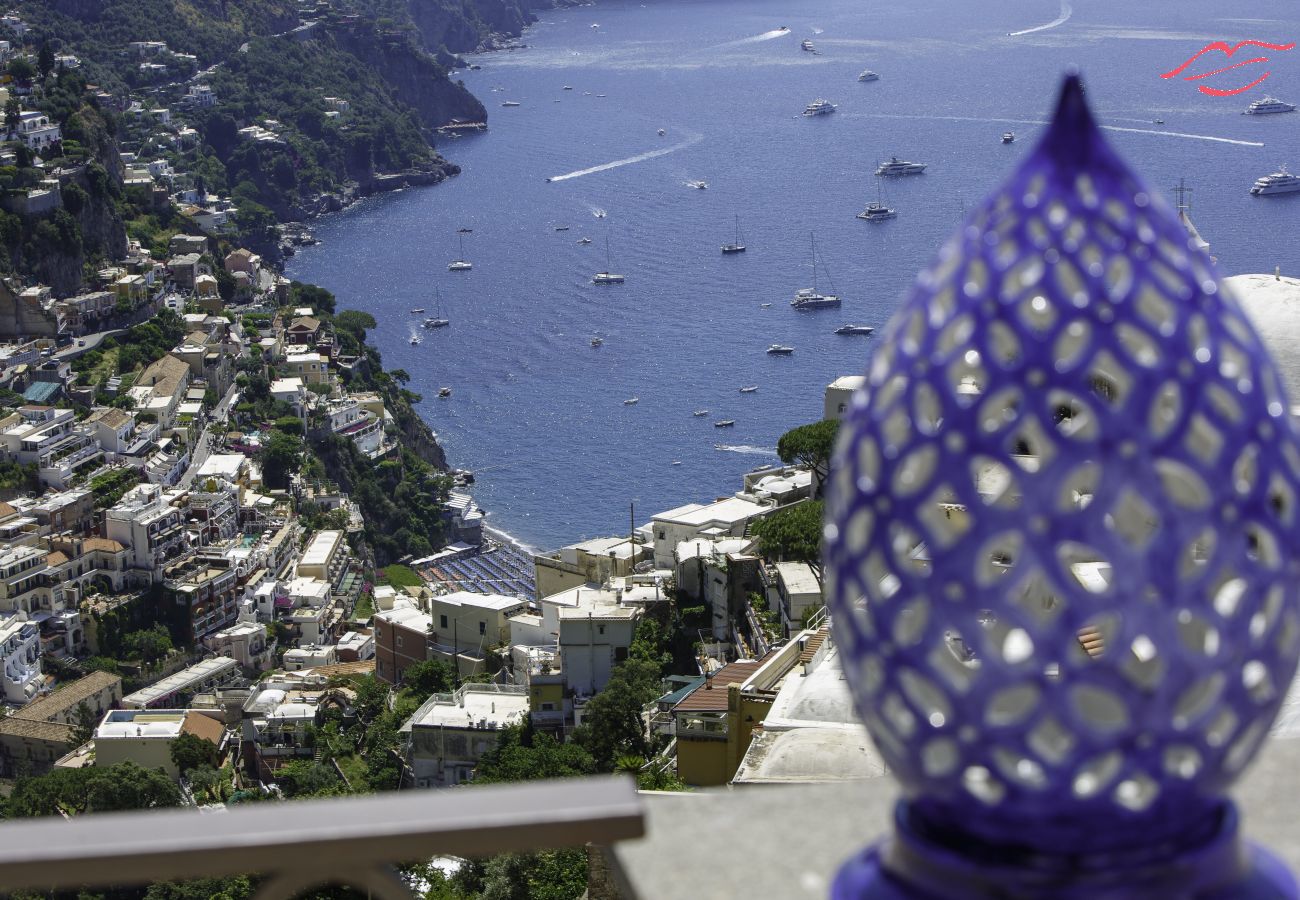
column 539, row 414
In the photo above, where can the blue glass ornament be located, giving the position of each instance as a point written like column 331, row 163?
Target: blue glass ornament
column 1060, row 537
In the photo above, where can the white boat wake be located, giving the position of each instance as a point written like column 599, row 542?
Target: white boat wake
column 1066, row 12
column 765, row 36
column 1177, row 134
column 745, row 448
column 618, row 163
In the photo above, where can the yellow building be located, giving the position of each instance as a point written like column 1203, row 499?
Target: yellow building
column 715, row 722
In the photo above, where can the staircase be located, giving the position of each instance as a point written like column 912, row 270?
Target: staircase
column 813, row 644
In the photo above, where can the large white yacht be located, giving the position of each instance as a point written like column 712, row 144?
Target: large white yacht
column 897, row 166
column 1265, row 105
column 807, row 45
column 1280, row 182
column 868, row 75
column 819, row 107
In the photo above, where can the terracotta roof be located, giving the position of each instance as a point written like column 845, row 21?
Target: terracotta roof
column 712, row 695
column 110, row 416
column 108, row 545
column 203, row 726
column 57, row 558
column 307, row 322
column 68, row 696
column 52, row 732
column 349, row 668
column 165, row 376
column 6, row 510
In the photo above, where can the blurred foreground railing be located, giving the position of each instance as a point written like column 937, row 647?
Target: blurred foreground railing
column 299, row 845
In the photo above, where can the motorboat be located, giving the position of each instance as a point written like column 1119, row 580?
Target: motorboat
column 436, row 323
column 561, row 227
column 584, row 240
column 415, row 339
column 819, row 107
column 855, row 329
column 597, row 341
column 631, row 401
column 599, row 214
column 812, row 298
column 736, row 246
column 1266, row 105
column 1008, row 137
column 460, row 264
column 416, row 310
column 568, row 87
column 699, row 413
column 676, row 462
column 779, row 350
column 749, row 389
column 897, row 166
column 807, row 45
column 606, row 277
column 662, row 132
column 764, row 306
column 509, row 102
column 1280, row 182
column 444, row 392
column 868, row 75
column 698, row 185
column 725, row 423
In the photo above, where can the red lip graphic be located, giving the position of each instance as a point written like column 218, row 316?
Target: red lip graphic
column 1222, row 46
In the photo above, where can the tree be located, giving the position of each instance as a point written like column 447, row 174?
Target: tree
column 810, row 445
column 280, row 458
column 84, row 730
column 190, row 752
column 93, row 789
column 355, row 322
column 150, row 644
column 792, row 534
column 21, row 69
column 428, row 677
column 45, row 60
column 13, row 113
column 307, row 778
column 522, row 755
column 613, row 724
column 236, row 887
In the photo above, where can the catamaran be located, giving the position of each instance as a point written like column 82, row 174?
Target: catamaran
column 811, row 298
column 436, row 320
column 736, row 246
column 606, row 277
column 878, row 211
column 460, row 264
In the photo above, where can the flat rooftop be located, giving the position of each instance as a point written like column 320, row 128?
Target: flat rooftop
column 133, row 723
column 469, row 708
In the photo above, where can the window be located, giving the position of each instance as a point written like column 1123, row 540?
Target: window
column 620, row 654
column 601, row 629
column 399, row 642
column 442, row 621
column 482, row 627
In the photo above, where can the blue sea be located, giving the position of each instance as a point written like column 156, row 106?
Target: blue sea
column 539, row 414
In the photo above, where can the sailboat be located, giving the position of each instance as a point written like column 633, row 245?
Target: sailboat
column 736, row 246
column 878, row 211
column 606, row 277
column 460, row 264
column 436, row 320
column 810, row 298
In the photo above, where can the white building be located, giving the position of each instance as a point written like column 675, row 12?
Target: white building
column 20, row 654
column 35, row 130
column 145, row 737
column 449, row 733
column 725, row 518
column 149, row 526
column 246, row 643
column 839, row 393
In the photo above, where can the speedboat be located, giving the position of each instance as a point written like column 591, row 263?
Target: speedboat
column 561, row 227
column 607, row 278
column 459, row 265
column 1266, row 105
column 415, row 339
column 807, row 45
column 854, row 329
column 597, row 341
column 897, row 166
column 779, row 350
column 749, row 389
column 765, row 306
column 416, row 310
column 662, row 132
column 632, row 401
column 509, row 102
column 436, row 323
column 1280, row 182
column 698, row 185
column 877, row 212
column 819, row 107
column 568, row 87
column 584, row 240
column 725, row 423
column 444, row 392
column 599, row 214
column 1008, row 137
column 700, row 412
column 868, row 75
